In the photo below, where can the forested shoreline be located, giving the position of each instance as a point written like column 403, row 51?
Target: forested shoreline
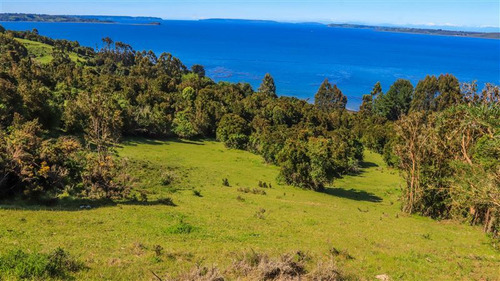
column 60, row 123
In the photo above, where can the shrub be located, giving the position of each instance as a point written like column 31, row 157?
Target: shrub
column 104, row 177
column 233, row 131
column 36, row 167
column 167, row 178
column 22, row 265
column 254, row 190
column 225, row 182
column 180, row 228
column 166, row 201
column 197, row 193
column 182, row 125
column 201, row 273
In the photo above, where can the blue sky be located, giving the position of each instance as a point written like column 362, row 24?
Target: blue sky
column 458, row 13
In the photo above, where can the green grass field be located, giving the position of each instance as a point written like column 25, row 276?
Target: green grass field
column 359, row 215
column 43, row 52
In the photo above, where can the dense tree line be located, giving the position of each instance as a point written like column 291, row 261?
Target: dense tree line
column 445, row 138
column 60, row 121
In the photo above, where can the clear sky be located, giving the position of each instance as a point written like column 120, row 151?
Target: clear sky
column 471, row 13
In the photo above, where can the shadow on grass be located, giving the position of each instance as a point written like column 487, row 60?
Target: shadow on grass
column 366, row 165
column 134, row 141
column 71, row 204
column 362, row 168
column 353, row 194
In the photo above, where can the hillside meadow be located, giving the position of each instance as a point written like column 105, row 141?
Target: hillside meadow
column 356, row 222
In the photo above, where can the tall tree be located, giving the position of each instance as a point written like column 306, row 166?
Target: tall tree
column 396, row 102
column 449, row 92
column 425, row 94
column 268, row 87
column 329, row 98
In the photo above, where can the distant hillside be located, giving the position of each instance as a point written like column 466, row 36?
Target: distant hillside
column 123, row 18
column 48, row 18
column 490, row 35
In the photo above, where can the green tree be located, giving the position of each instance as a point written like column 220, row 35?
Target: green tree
column 267, row 87
column 182, row 126
column 329, row 98
column 449, row 92
column 233, row 131
column 396, row 102
column 198, row 69
column 425, row 94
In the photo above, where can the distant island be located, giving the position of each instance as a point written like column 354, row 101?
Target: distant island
column 49, row 18
column 427, row 31
column 80, row 18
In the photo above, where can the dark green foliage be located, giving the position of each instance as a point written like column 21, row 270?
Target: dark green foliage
column 268, row 88
column 225, row 182
column 329, row 98
column 449, row 92
column 396, row 102
column 233, row 131
column 198, row 69
column 425, row 94
column 21, row 265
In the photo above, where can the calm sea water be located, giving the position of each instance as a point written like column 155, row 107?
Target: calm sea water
column 299, row 56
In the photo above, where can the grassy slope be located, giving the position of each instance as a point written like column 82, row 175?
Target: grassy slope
column 43, row 52
column 117, row 242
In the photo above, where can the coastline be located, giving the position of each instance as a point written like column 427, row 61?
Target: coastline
column 492, row 35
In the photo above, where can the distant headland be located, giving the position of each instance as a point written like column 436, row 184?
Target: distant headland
column 16, row 17
column 49, row 18
column 426, row 31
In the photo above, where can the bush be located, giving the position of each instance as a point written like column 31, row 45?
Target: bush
column 225, row 182
column 233, row 131
column 104, row 177
column 166, row 201
column 182, row 125
column 167, row 178
column 22, row 265
column 36, row 167
column 180, row 228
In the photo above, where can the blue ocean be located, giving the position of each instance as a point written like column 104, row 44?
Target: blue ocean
column 298, row 56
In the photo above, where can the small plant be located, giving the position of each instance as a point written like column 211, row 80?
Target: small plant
column 197, row 193
column 254, row 190
column 167, row 178
column 180, row 228
column 158, row 250
column 166, row 201
column 260, row 213
column 243, row 189
column 342, row 254
column 225, row 182
column 143, row 195
column 241, row 199
column 258, row 191
column 260, row 184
